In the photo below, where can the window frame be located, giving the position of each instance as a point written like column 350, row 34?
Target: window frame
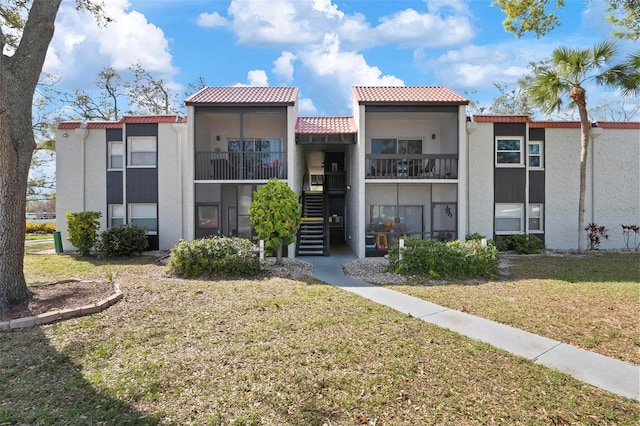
column 520, row 151
column 130, row 151
column 112, row 216
column 132, row 218
column 540, row 155
column 110, row 155
column 540, row 217
column 496, row 217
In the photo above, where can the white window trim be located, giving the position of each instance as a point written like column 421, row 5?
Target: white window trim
column 521, row 217
column 109, row 155
column 541, row 166
column 529, row 216
column 130, row 140
column 522, row 151
column 112, row 216
column 155, row 205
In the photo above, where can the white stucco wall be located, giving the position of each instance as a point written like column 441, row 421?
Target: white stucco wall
column 171, row 140
column 355, row 201
column 81, row 176
column 480, row 180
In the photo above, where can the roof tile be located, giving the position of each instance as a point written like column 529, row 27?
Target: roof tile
column 325, row 125
column 245, row 95
column 407, row 95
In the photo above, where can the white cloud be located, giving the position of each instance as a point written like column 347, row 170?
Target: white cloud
column 329, row 9
column 283, row 66
column 306, row 107
column 80, row 48
column 211, row 20
column 255, row 78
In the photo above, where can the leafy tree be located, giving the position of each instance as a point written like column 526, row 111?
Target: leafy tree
column 275, row 214
column 565, row 77
column 23, row 47
column 83, row 230
column 538, row 16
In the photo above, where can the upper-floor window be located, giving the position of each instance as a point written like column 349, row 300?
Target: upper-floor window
column 396, row 146
column 116, row 154
column 509, row 152
column 142, row 151
column 534, row 154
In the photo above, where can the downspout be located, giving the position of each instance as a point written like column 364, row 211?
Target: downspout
column 83, row 133
column 471, row 127
column 594, row 133
column 176, row 127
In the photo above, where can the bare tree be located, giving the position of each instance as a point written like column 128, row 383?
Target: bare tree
column 148, row 95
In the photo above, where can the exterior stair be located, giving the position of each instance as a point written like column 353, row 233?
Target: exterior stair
column 312, row 235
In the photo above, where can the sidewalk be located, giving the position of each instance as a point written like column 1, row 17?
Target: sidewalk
column 613, row 375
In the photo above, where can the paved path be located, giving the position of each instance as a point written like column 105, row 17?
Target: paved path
column 607, row 373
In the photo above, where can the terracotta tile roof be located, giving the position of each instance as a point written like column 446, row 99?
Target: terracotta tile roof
column 130, row 119
column 618, row 124
column 245, row 95
column 554, row 124
column 501, row 118
column 429, row 95
column 325, row 125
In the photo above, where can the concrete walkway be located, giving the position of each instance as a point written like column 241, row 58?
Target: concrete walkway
column 607, row 373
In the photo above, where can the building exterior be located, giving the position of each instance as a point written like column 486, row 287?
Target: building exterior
column 407, row 162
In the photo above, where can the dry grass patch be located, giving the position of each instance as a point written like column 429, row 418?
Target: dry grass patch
column 589, row 301
column 275, row 351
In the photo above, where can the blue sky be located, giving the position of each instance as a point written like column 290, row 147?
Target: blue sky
column 320, row 46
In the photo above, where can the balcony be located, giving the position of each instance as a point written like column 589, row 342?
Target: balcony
column 411, row 166
column 238, row 165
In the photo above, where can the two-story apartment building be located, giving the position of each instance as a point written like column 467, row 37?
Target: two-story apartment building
column 407, row 162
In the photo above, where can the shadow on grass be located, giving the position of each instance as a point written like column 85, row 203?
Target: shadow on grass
column 589, row 267
column 45, row 387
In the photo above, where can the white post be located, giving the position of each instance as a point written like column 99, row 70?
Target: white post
column 400, row 249
column 261, row 250
column 483, row 242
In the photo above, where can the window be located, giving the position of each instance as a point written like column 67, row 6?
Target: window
column 509, row 218
column 116, row 215
column 144, row 215
column 509, row 152
column 402, row 219
column 396, row 146
column 535, row 218
column 116, row 154
column 535, row 155
column 142, row 151
column 208, row 216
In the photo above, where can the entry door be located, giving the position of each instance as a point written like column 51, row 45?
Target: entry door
column 335, row 177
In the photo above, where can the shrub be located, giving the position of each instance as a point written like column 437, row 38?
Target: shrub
column 595, row 234
column 122, row 240
column 520, row 243
column 475, row 237
column 40, row 228
column 83, row 230
column 445, row 259
column 214, row 256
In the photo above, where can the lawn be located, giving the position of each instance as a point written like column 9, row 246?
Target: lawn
column 268, row 351
column 591, row 301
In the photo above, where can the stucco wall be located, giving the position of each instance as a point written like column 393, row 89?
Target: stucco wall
column 480, row 180
column 81, row 176
column 171, row 140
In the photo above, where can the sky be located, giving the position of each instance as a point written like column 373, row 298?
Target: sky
column 323, row 47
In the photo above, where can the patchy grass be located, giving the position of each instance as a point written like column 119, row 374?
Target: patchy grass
column 271, row 352
column 29, row 237
column 589, row 301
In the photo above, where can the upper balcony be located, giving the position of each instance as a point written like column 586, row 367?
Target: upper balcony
column 411, row 166
column 239, row 165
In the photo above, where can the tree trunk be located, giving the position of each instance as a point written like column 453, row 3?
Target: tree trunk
column 18, row 79
column 279, row 254
column 578, row 96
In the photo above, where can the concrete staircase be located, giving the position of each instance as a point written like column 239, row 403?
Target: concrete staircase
column 312, row 235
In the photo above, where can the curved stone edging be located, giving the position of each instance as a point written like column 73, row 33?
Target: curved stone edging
column 59, row 315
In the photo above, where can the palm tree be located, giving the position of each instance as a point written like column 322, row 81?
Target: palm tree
column 566, row 74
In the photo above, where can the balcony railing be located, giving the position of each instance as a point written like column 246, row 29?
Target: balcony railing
column 411, row 166
column 223, row 165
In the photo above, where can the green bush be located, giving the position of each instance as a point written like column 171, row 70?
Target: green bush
column 475, row 237
column 214, row 256
column 445, row 259
column 520, row 243
column 122, row 240
column 83, row 230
